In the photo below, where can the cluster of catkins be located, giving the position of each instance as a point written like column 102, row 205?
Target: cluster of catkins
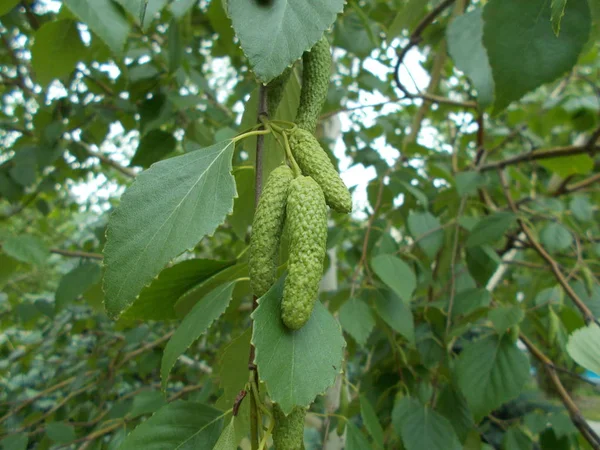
column 300, row 202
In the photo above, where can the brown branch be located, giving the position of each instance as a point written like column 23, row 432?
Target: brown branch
column 255, row 422
column 585, row 311
column 76, row 253
column 149, row 346
column 107, row 161
column 557, row 152
column 578, row 420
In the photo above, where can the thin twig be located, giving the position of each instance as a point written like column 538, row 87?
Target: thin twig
column 578, row 420
column 583, row 308
column 76, row 253
column 557, row 152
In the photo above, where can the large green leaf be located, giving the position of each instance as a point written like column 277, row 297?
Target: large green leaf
column 490, row 372
column 422, row 428
column 274, row 35
column 157, row 301
column 555, row 237
column 420, row 223
column 60, row 432
column 355, row 439
column 573, row 165
column 228, row 439
column 506, row 317
column 396, row 274
column 76, row 282
column 295, row 366
column 584, row 347
column 371, row 421
column 516, row 439
column 465, row 45
column 166, row 211
column 180, row 425
column 356, row 320
column 7, row 5
column 56, row 50
column 396, row 313
column 26, row 248
column 104, row 19
column 15, row 442
column 491, row 228
column 194, row 325
column 523, row 50
column 153, row 147
column 187, row 301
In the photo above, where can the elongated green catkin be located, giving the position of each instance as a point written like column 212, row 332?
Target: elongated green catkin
column 307, row 225
column 275, row 90
column 266, row 230
column 314, row 162
column 316, row 71
column 288, row 433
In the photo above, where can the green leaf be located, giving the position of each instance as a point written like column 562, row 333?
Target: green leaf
column 555, row 237
column 573, row 165
column 516, row 439
column 482, row 263
column 26, row 248
column 396, row 274
column 153, row 147
column 7, row 5
column 514, row 27
column 582, row 208
column 60, row 432
column 157, row 301
column 506, row 317
column 396, row 313
column 369, row 417
column 228, row 439
column 490, row 372
column 233, row 367
column 355, row 439
column 295, row 366
column 167, row 210
column 199, row 319
column 187, row 301
column 584, row 349
column 179, row 425
column 76, row 282
column 104, row 19
column 179, row 8
column 17, row 441
column 422, row 428
column 470, row 300
column 490, row 229
column 286, row 30
column 558, row 11
column 465, row 46
column 356, row 319
column 243, row 206
column 56, row 50
column 147, row 403
column 143, row 10
column 467, row 183
column 424, row 223
column 453, row 406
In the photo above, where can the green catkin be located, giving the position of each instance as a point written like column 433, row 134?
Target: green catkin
column 288, row 433
column 316, row 71
column 266, row 230
column 275, row 90
column 314, row 162
column 307, row 225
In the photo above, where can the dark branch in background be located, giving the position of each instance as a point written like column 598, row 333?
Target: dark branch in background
column 585, row 311
column 76, row 253
column 578, row 420
column 107, row 161
column 557, row 152
column 414, row 39
column 258, row 183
